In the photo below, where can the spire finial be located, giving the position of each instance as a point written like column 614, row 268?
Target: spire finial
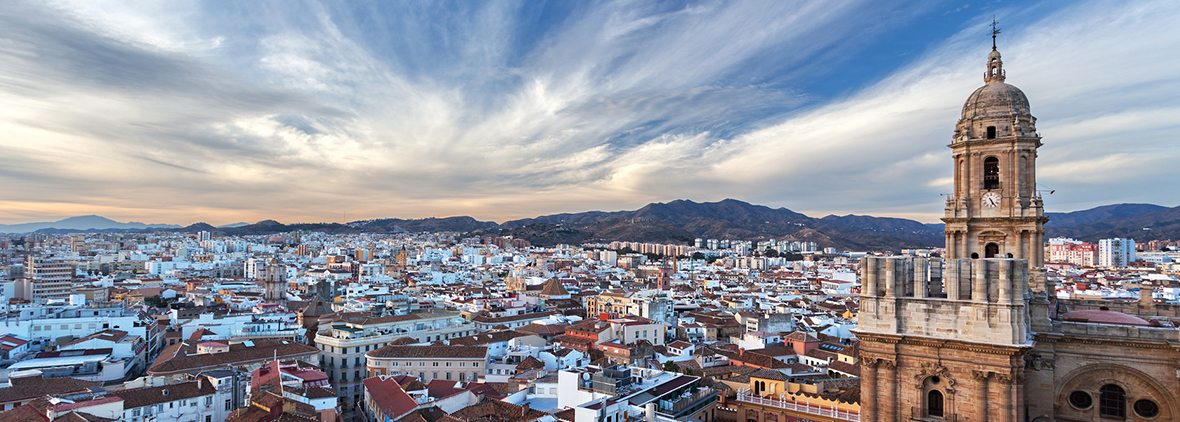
column 995, row 31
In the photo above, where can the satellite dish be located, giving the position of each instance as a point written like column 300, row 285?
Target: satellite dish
column 586, row 376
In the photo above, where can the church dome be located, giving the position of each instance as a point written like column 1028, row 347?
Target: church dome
column 996, row 99
column 1105, row 317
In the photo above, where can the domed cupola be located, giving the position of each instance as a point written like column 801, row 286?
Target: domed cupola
column 996, row 109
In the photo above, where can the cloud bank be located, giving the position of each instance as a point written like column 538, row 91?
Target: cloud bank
column 186, row 112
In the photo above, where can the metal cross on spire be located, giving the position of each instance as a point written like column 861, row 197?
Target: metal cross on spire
column 995, row 30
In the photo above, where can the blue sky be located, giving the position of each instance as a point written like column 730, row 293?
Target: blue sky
column 303, row 111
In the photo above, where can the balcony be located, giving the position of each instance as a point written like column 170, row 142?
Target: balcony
column 687, row 404
column 837, row 414
column 917, row 413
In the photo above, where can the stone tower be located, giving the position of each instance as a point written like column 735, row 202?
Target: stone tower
column 664, row 281
column 275, row 281
column 987, row 339
column 936, row 346
column 995, row 210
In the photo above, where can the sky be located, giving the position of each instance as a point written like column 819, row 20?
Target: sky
column 219, row 112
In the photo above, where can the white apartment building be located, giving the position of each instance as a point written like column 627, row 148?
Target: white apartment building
column 1116, row 253
column 343, row 345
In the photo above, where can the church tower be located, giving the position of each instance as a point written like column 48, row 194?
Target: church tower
column 995, row 211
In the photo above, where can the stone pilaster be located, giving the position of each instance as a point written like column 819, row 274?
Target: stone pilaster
column 889, row 413
column 981, row 404
column 868, row 390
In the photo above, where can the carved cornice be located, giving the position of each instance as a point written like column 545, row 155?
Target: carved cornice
column 1057, row 337
column 980, row 375
column 902, row 339
column 1010, row 379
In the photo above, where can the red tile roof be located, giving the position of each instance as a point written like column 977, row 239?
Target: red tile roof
column 389, row 397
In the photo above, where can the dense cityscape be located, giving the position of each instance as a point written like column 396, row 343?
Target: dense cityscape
column 398, row 327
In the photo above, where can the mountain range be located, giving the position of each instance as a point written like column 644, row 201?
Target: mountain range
column 681, row 221
column 88, row 223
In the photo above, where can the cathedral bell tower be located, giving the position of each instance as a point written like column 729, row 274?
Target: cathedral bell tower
column 995, row 211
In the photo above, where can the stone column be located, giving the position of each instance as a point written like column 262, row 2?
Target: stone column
column 950, row 279
column 868, row 390
column 980, row 394
column 868, row 269
column 921, row 282
column 889, row 413
column 1005, row 286
column 1004, row 411
column 979, row 281
column 891, row 278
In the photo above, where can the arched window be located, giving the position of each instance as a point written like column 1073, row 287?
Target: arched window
column 991, row 250
column 974, row 255
column 991, row 173
column 1112, row 401
column 934, row 403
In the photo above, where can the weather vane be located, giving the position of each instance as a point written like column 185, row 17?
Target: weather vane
column 995, row 30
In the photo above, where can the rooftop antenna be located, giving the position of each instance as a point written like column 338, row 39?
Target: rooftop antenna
column 995, row 31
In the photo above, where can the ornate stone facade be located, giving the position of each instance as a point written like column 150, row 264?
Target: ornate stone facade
column 981, row 336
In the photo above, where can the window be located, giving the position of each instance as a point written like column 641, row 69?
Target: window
column 1146, row 408
column 934, row 403
column 448, row 375
column 421, row 363
column 1112, row 401
column 475, row 364
column 448, row 364
column 991, row 173
column 208, row 401
column 434, row 363
column 227, row 405
column 991, row 250
column 135, row 412
column 434, row 375
column 462, row 376
column 1081, row 400
column 390, row 364
column 160, row 408
column 991, row 132
column 462, row 364
column 356, row 375
column 208, row 418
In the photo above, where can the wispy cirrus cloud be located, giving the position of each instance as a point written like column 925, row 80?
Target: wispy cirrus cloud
column 498, row 110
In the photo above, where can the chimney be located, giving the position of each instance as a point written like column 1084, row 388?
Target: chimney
column 524, row 410
column 1145, row 299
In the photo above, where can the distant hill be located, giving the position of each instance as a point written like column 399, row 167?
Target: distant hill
column 81, row 223
column 681, row 221
column 1100, row 214
column 1163, row 224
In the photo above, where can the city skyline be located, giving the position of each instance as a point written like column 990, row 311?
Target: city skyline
column 190, row 112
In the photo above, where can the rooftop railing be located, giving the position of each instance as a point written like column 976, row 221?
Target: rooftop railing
column 827, row 412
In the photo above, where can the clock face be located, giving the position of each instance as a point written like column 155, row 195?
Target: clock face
column 991, row 200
